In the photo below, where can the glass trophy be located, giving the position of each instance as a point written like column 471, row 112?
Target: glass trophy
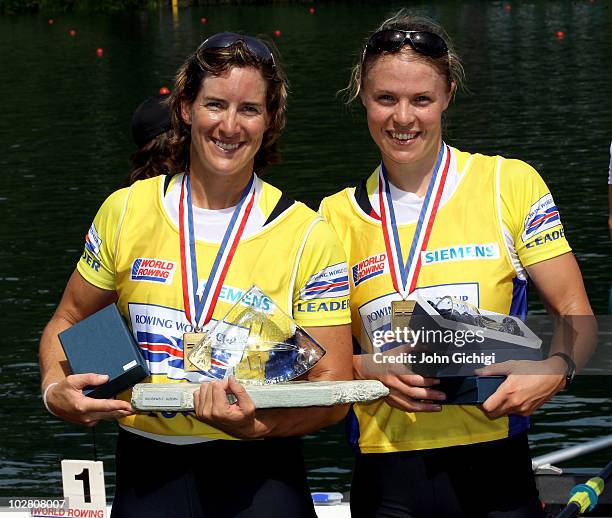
column 257, row 343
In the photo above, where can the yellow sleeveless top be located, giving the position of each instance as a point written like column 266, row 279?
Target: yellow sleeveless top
column 485, row 234
column 133, row 248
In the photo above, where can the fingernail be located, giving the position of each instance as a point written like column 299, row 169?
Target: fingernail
column 441, row 396
column 437, row 408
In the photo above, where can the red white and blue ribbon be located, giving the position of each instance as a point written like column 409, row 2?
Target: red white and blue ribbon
column 405, row 277
column 199, row 310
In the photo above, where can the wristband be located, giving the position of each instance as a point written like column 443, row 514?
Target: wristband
column 44, row 398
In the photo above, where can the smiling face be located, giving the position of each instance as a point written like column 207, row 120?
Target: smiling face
column 228, row 120
column 404, row 99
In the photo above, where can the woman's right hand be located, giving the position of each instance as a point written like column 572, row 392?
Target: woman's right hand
column 407, row 391
column 67, row 401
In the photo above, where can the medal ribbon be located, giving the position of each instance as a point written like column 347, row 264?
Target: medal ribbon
column 405, row 277
column 199, row 310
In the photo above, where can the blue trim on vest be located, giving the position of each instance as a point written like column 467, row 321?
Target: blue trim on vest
column 351, row 425
column 517, row 424
column 518, row 308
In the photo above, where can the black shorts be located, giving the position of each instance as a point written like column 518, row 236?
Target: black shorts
column 491, row 479
column 216, row 479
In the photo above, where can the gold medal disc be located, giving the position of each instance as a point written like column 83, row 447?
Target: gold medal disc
column 190, row 341
column 401, row 313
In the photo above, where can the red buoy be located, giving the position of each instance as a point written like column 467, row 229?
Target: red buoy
column 508, row 8
column 277, row 33
column 203, row 20
column 164, row 90
column 99, row 52
column 50, row 21
column 560, row 35
column 312, row 10
column 72, row 33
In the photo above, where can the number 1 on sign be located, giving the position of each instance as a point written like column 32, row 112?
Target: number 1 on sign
column 84, row 476
column 83, row 482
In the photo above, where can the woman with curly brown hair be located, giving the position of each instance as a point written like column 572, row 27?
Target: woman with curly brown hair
column 176, row 252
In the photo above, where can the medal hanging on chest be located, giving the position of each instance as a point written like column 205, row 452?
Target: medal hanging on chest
column 199, row 309
column 404, row 277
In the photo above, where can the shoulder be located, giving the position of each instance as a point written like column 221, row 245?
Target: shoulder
column 269, row 191
column 464, row 160
column 519, row 182
column 281, row 209
column 518, row 171
column 115, row 202
column 138, row 191
column 512, row 172
column 340, row 197
column 338, row 202
column 322, row 233
column 155, row 183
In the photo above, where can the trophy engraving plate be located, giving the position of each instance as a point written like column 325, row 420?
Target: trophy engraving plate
column 162, row 399
column 401, row 313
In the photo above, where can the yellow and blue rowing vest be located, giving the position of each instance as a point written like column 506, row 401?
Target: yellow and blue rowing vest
column 499, row 219
column 132, row 247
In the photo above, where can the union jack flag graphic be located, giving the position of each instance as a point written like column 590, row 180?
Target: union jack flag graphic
column 546, row 218
column 331, row 282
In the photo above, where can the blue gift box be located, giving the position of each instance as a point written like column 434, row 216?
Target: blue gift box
column 102, row 343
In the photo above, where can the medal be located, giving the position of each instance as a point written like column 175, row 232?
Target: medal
column 401, row 313
column 199, row 309
column 404, row 277
column 191, row 340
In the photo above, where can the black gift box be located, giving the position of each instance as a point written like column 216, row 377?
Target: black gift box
column 448, row 358
column 468, row 390
column 455, row 364
column 103, row 344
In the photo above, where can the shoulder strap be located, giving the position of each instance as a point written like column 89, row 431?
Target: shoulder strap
column 167, row 181
column 362, row 198
column 281, row 206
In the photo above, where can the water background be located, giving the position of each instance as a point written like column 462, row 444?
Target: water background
column 64, row 143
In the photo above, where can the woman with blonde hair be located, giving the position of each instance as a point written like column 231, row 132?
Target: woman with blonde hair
column 436, row 221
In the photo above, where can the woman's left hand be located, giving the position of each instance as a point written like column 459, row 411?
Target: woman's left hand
column 529, row 384
column 212, row 407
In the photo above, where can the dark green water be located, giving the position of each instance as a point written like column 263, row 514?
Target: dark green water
column 64, row 143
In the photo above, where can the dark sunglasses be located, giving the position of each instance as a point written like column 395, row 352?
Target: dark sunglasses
column 227, row 39
column 392, row 40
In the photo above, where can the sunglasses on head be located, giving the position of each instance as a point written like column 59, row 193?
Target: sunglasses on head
column 227, row 39
column 392, row 40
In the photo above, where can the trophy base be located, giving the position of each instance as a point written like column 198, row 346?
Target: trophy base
column 160, row 397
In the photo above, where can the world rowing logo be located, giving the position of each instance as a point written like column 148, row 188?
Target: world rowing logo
column 542, row 216
column 369, row 268
column 152, row 270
